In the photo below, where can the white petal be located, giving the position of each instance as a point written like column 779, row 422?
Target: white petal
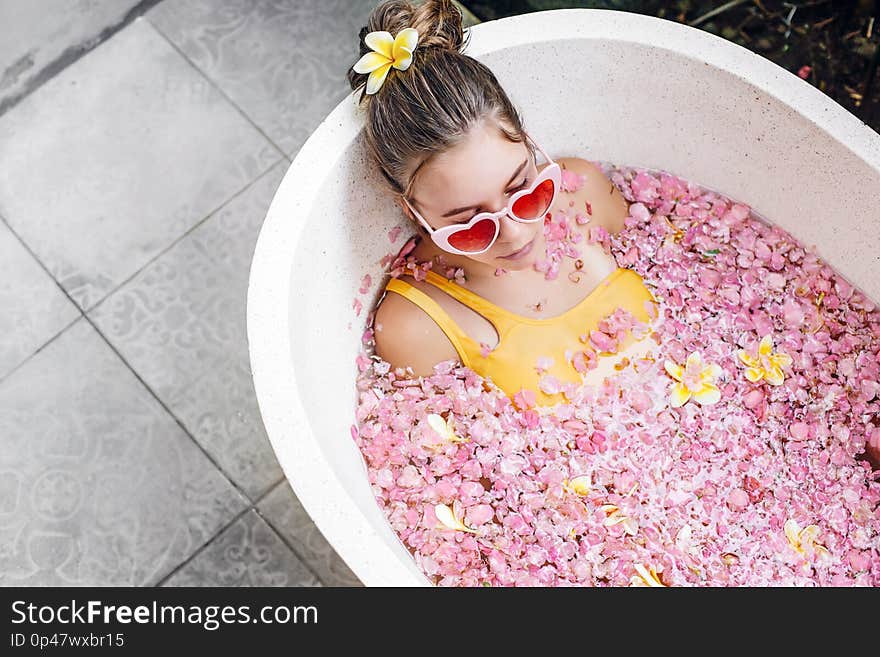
column 439, row 425
column 674, row 369
column 650, row 578
column 382, row 42
column 377, row 77
column 444, row 514
column 404, row 44
column 580, row 485
column 370, row 62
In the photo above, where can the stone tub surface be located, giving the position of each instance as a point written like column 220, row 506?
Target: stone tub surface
column 606, row 85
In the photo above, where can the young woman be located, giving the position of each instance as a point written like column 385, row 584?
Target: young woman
column 478, row 187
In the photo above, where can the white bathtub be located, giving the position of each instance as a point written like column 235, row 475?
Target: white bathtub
column 604, row 85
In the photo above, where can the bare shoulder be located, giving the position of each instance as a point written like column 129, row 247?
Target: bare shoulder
column 406, row 336
column 609, row 207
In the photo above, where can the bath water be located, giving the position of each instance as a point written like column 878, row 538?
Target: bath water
column 653, row 478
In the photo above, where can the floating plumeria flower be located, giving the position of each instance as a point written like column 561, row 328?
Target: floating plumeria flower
column 646, row 577
column 694, row 380
column 614, row 517
column 447, row 517
column 444, row 428
column 803, row 541
column 578, row 485
column 766, row 365
column 388, row 51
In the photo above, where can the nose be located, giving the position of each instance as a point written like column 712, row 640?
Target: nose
column 512, row 231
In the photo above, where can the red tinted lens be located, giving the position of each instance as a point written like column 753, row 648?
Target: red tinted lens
column 476, row 238
column 534, row 205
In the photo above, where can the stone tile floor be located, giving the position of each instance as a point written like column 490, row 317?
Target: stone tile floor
column 140, row 146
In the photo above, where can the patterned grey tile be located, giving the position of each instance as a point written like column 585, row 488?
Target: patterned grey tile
column 283, row 511
column 247, row 553
column 100, row 486
column 37, row 34
column 220, row 410
column 112, row 160
column 283, row 63
column 181, row 324
column 34, row 309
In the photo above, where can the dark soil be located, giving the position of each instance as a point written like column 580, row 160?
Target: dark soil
column 832, row 44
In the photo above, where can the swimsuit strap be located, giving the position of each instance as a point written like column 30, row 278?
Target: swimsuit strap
column 435, row 312
column 500, row 318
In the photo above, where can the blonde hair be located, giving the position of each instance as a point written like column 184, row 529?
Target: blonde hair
column 430, row 107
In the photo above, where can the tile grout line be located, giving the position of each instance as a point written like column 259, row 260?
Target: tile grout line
column 165, row 407
column 83, row 315
column 236, row 518
column 178, row 239
column 53, row 69
column 281, row 534
column 40, row 348
column 250, row 504
column 202, row 547
column 216, row 87
column 73, row 54
column 42, row 266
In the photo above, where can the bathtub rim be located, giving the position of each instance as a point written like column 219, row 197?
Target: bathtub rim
column 269, row 328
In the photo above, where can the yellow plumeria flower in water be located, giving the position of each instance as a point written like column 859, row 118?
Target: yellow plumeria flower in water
column 766, row 365
column 695, row 379
column 802, row 540
column 387, row 51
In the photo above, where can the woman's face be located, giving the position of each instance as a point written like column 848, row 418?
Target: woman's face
column 479, row 175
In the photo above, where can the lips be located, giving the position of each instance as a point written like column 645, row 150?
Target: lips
column 522, row 252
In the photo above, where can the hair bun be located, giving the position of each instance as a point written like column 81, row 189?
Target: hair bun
column 438, row 22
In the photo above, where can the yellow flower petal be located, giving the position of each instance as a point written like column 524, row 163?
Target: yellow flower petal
column 748, row 359
column 580, row 485
column 377, row 77
column 714, row 370
column 402, row 63
column 792, row 533
column 675, row 370
column 613, row 519
column 781, row 359
column 370, row 62
column 439, row 425
column 766, row 346
column 631, row 526
column 707, row 394
column 754, row 374
column 694, row 361
column 404, row 44
column 679, row 396
column 444, row 428
column 809, row 534
column 447, row 517
column 382, row 42
column 774, row 376
column 649, row 576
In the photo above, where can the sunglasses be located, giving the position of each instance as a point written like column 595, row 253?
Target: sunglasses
column 479, row 234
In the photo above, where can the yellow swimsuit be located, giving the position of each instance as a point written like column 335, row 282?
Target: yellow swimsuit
column 523, row 340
